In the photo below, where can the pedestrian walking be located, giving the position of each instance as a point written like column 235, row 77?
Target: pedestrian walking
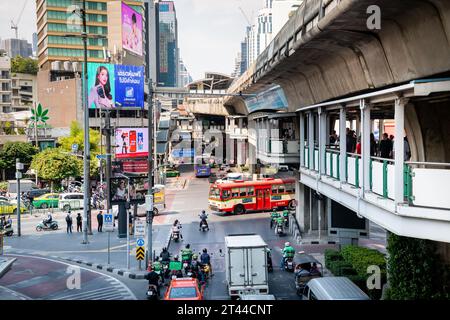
column 100, row 221
column 69, row 222
column 79, row 223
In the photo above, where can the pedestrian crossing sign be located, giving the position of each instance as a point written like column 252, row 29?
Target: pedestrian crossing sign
column 108, row 222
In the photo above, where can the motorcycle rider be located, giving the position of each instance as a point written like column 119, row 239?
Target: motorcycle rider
column 195, row 264
column 156, row 266
column 153, row 280
column 206, row 259
column 49, row 220
column 176, row 227
column 203, row 216
column 279, row 222
column 186, row 254
column 286, row 217
column 165, row 256
column 287, row 252
column 275, row 215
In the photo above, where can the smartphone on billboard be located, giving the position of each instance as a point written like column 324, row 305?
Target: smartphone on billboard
column 140, row 141
column 133, row 140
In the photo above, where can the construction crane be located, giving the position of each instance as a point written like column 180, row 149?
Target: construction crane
column 246, row 17
column 15, row 25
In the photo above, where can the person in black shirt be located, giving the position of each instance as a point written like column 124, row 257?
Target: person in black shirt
column 385, row 147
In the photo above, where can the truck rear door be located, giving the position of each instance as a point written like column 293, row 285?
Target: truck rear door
column 257, row 266
column 237, row 265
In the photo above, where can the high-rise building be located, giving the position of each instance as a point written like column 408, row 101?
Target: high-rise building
column 269, row 21
column 35, row 42
column 17, row 47
column 55, row 21
column 167, row 34
column 184, row 76
column 5, row 83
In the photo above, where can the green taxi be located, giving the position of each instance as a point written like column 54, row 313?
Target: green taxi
column 49, row 200
column 171, row 173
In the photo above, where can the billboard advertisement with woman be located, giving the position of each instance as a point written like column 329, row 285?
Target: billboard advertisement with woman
column 115, row 86
column 131, row 30
column 131, row 143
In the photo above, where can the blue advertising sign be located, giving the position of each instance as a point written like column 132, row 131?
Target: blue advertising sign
column 183, row 153
column 272, row 99
column 115, row 86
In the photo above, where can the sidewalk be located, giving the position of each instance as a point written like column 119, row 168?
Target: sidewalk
column 69, row 247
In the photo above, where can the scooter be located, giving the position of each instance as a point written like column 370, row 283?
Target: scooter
column 289, row 264
column 176, row 236
column 152, row 292
column 52, row 226
column 204, row 226
column 7, row 230
column 279, row 229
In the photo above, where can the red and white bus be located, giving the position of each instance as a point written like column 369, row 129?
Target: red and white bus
column 261, row 195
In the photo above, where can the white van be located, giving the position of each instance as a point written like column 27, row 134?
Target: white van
column 71, row 201
column 332, row 288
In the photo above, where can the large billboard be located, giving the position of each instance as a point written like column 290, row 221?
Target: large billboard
column 115, row 86
column 131, row 143
column 131, row 190
column 271, row 99
column 131, row 30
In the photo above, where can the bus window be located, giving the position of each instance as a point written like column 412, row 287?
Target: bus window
column 243, row 192
column 235, row 192
column 281, row 188
column 251, row 191
column 214, row 193
column 290, row 188
column 274, row 189
column 225, row 194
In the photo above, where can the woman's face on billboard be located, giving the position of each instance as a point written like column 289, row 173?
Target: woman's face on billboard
column 103, row 77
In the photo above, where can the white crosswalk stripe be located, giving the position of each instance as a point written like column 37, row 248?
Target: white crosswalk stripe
column 110, row 293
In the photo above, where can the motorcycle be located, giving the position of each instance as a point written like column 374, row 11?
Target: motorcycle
column 176, row 236
column 7, row 230
column 204, row 226
column 152, row 293
column 289, row 264
column 49, row 226
column 279, row 229
column 204, row 273
column 269, row 262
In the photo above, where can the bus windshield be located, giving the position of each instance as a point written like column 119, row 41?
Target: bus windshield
column 214, row 193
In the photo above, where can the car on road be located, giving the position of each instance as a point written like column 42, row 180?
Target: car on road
column 332, row 288
column 184, row 289
column 35, row 193
column 171, row 173
column 49, row 200
column 71, row 201
column 8, row 207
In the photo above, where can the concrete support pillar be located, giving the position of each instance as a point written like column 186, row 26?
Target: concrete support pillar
column 342, row 143
column 399, row 154
column 311, row 139
column 241, row 123
column 268, row 135
column 365, row 145
column 310, row 210
column 302, row 139
column 381, row 129
column 322, row 140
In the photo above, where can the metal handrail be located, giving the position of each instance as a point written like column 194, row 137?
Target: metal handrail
column 382, row 159
column 434, row 164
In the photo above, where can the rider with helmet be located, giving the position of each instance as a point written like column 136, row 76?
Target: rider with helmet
column 186, row 254
column 274, row 215
column 203, row 216
column 287, row 252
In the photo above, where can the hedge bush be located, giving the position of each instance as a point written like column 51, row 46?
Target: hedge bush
column 332, row 255
column 361, row 258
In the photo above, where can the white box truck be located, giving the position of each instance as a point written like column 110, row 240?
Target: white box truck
column 246, row 265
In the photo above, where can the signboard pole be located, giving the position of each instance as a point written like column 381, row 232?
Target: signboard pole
column 109, row 248
column 128, row 239
column 108, row 226
column 150, row 173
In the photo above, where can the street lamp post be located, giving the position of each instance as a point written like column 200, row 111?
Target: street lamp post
column 87, row 152
column 148, row 254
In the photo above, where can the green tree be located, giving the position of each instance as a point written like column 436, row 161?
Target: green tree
column 20, row 64
column 77, row 137
column 54, row 165
column 13, row 150
column 415, row 270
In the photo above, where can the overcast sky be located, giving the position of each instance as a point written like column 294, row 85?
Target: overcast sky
column 210, row 31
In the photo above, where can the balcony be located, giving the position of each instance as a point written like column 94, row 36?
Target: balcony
column 237, row 133
column 279, row 151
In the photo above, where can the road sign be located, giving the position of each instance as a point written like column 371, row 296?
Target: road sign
column 74, row 148
column 140, row 242
column 139, row 228
column 140, row 253
column 108, row 222
column 101, row 156
column 149, row 203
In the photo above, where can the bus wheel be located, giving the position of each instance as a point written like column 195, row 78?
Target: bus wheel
column 239, row 209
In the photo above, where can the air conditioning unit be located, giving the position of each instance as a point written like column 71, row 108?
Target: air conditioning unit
column 56, row 65
column 68, row 66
